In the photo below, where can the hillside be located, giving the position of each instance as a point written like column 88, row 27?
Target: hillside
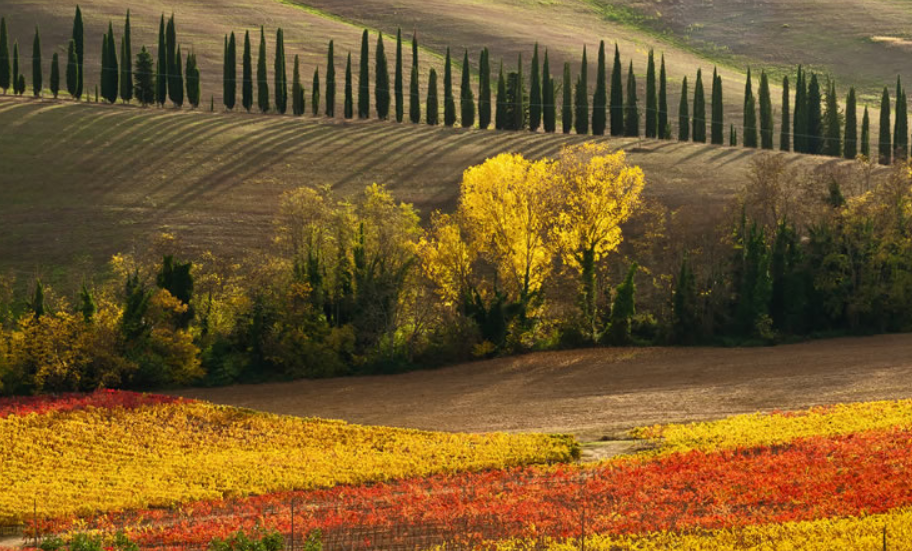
column 79, row 182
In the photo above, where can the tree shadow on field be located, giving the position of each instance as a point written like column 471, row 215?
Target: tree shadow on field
column 744, row 153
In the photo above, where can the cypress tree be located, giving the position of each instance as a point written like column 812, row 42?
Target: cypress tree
column 79, row 41
column 815, row 117
column 484, row 90
column 800, row 114
column 161, row 68
column 519, row 99
column 850, row 149
column 699, row 110
column 280, row 75
column 143, row 85
column 652, row 102
column 315, row 94
column 684, row 114
column 832, row 144
column 632, row 118
column 750, row 114
column 37, row 75
column 225, row 63
column 364, row 79
column 567, row 107
column 247, row 85
column 175, row 85
column 785, row 132
column 535, row 93
column 886, row 148
column 432, row 110
column 231, row 80
column 178, row 92
column 398, row 82
column 55, row 75
column 500, row 118
column 105, row 66
column 766, row 113
column 331, row 81
column 617, row 95
column 449, row 102
column 600, row 98
column 5, row 78
column 466, row 97
column 193, row 81
column 72, row 69
column 126, row 62
column 732, row 136
column 414, row 87
column 866, row 134
column 348, row 110
column 113, row 73
column 297, row 90
column 581, row 119
column 381, row 83
column 901, row 125
column 262, row 83
column 549, row 110
column 717, row 125
column 16, row 68
column 664, row 132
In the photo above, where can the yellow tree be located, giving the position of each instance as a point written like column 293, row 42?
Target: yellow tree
column 594, row 192
column 447, row 259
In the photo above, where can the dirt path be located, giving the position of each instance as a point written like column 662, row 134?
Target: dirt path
column 601, row 392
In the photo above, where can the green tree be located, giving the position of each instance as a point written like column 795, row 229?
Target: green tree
column 652, row 100
column 750, row 114
column 397, row 79
column 535, row 93
column 315, row 94
column 364, row 78
column 16, row 68
column 72, row 70
column 414, row 86
column 161, row 68
column 766, row 113
column 664, row 131
column 175, row 81
column 87, row 305
column 37, row 72
column 105, row 66
column 466, row 97
column 262, row 82
column 785, row 132
column 800, row 115
column 280, row 74
column 484, row 89
column 247, row 84
column 381, row 83
column 600, row 98
column 55, row 75
column 37, row 305
column 126, row 62
column 500, row 118
column 177, row 278
column 331, row 81
column 832, row 143
column 699, row 110
column 901, row 125
column 516, row 97
column 717, row 123
column 684, row 114
column 815, row 117
column 549, row 109
column 5, row 77
column 297, row 88
column 886, row 148
column 623, row 309
column 144, row 78
column 449, row 102
column 632, row 115
column 866, row 134
column 79, row 40
column 685, row 314
column 732, row 136
column 112, row 71
column 193, row 80
column 850, row 149
column 348, row 109
column 178, row 80
column 567, row 104
column 581, row 118
column 432, row 111
column 617, row 95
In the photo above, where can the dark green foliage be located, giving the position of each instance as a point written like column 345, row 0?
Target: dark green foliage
column 516, row 97
column 766, row 113
column 133, row 324
column 381, row 83
column 226, row 73
column 800, row 114
column 832, row 142
column 664, row 130
column 5, row 77
column 535, row 93
column 865, row 135
column 717, row 122
column 631, row 112
column 788, row 300
column 785, row 130
column 685, row 315
column 315, row 94
column 755, row 284
column 37, row 71
column 330, row 81
column 297, row 88
column 16, row 68
column 886, row 148
column 567, row 104
column 247, row 85
column 484, row 89
column 684, row 114
column 850, row 149
column 161, row 68
column 55, row 76
column 623, row 309
column 699, row 110
column 500, row 117
column 79, row 41
column 600, row 99
column 348, row 109
column 581, row 117
column 280, row 74
column 732, row 136
column 617, row 95
column 466, row 97
column 175, row 76
column 36, row 305
column 87, row 305
column 144, row 78
column 262, row 82
column 449, row 102
column 432, row 111
column 652, row 100
column 111, row 71
column 398, row 79
column 414, row 86
column 177, row 95
column 105, row 66
column 549, row 109
column 364, row 78
column 21, row 87
column 750, row 114
column 815, row 117
column 126, row 62
column 177, row 278
column 901, row 125
column 193, row 81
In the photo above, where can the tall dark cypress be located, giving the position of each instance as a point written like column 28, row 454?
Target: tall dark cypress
column 348, row 105
column 5, row 78
column 55, row 75
column 449, row 102
column 414, row 87
column 113, row 72
column 866, row 135
column 381, row 81
column 72, row 74
column 175, row 88
column 800, row 114
column 732, row 136
column 600, row 98
column 231, row 83
column 193, row 80
column 466, row 96
column 330, row 99
column 850, row 147
column 535, row 92
column 397, row 79
column 717, row 125
column 262, row 82
column 484, row 90
column 652, row 101
column 37, row 71
column 617, row 95
column 632, row 114
column 280, row 75
column 247, row 85
column 684, row 114
column 500, row 117
column 815, row 117
column 126, row 62
column 567, row 104
column 785, row 132
column 225, row 69
column 581, row 118
column 364, row 78
column 432, row 111
column 901, row 125
column 519, row 99
column 18, row 78
column 161, row 67
column 750, row 114
column 832, row 142
column 105, row 66
column 664, row 132
column 549, row 110
column 766, row 113
column 297, row 89
column 315, row 93
column 79, row 42
column 886, row 147
column 699, row 110
column 178, row 81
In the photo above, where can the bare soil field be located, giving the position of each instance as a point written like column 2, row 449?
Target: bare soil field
column 598, row 393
